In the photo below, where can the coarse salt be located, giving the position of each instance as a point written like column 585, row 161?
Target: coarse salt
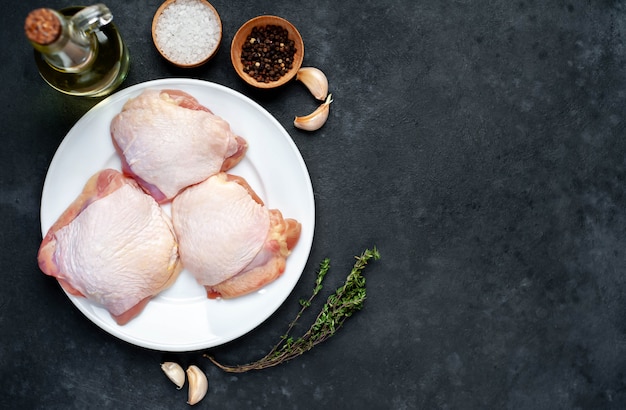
column 188, row 31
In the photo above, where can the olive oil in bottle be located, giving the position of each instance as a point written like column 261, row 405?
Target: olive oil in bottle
column 78, row 50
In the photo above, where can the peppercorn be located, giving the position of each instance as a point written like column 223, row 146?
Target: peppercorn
column 267, row 54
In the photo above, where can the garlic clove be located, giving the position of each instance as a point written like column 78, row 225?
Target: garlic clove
column 198, row 384
column 316, row 119
column 175, row 373
column 315, row 80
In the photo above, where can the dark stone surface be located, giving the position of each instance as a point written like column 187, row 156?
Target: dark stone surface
column 479, row 145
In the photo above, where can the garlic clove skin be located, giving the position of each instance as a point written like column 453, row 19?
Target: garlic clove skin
column 174, row 372
column 198, row 384
column 316, row 119
column 315, row 80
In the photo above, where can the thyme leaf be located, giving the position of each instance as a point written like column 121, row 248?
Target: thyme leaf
column 339, row 306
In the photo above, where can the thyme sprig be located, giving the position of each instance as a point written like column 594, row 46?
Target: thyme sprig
column 339, row 306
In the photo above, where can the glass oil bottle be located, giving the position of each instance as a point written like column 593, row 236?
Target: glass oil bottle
column 78, row 50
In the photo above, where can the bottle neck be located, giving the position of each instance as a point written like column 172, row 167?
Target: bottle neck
column 70, row 50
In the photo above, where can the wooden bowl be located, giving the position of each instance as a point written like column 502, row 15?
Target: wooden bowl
column 183, row 29
column 241, row 37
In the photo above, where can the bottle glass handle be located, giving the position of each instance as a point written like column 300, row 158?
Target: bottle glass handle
column 91, row 18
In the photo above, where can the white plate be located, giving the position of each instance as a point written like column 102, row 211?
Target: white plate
column 182, row 318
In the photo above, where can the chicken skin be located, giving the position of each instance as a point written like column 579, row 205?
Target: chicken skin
column 113, row 245
column 229, row 240
column 168, row 141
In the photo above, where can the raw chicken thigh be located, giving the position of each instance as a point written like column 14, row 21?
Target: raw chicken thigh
column 228, row 239
column 112, row 245
column 167, row 141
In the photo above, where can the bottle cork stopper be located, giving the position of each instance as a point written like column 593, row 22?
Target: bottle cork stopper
column 42, row 26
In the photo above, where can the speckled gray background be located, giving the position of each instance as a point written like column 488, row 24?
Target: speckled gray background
column 479, row 145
